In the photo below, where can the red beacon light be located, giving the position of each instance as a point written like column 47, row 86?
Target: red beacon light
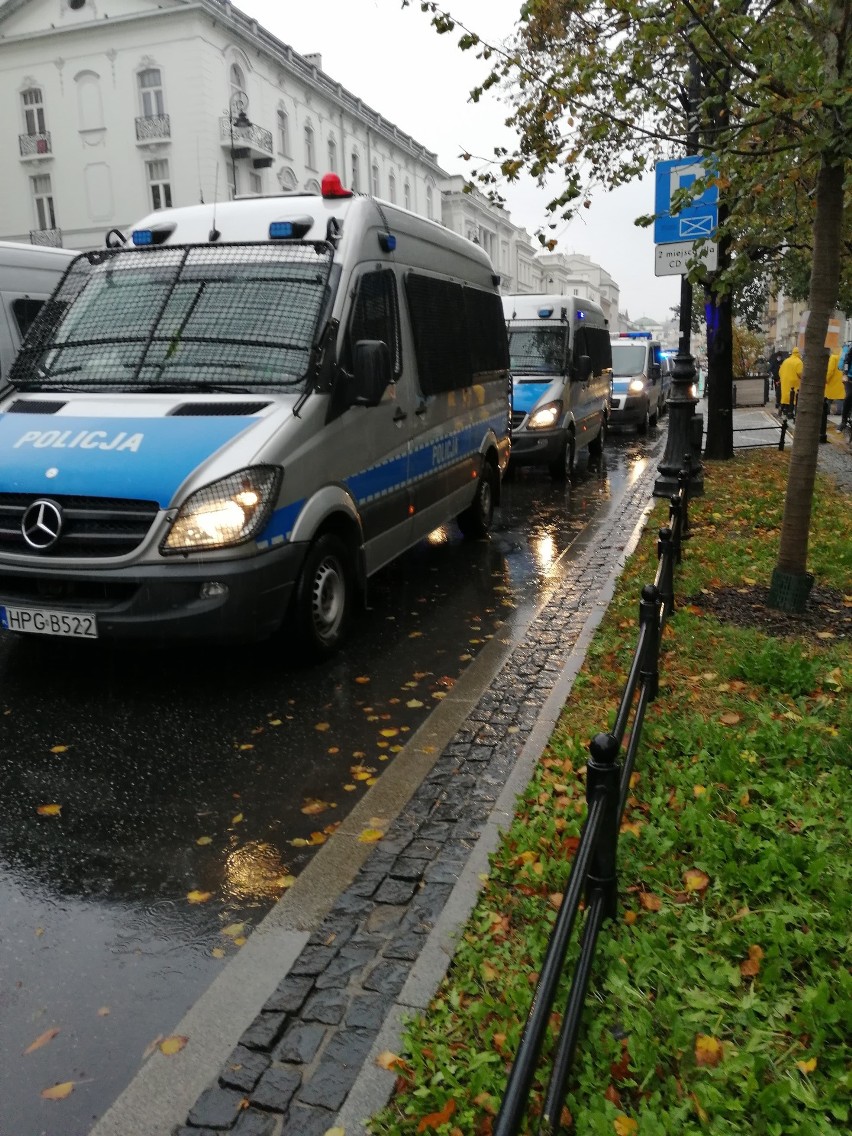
column 332, row 186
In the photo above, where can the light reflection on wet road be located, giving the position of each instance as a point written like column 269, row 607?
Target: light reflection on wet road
column 183, row 771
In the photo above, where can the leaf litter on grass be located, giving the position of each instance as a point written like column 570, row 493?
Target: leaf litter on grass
column 721, row 992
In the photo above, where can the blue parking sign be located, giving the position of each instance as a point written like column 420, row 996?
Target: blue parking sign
column 700, row 218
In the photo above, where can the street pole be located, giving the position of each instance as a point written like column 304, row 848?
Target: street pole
column 685, row 426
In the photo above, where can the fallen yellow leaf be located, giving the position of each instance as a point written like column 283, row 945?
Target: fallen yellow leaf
column 234, row 929
column 313, row 805
column 59, row 749
column 58, row 1092
column 730, row 718
column 238, row 819
column 322, row 726
column 625, row 1125
column 204, row 840
column 172, row 1045
column 103, row 1012
column 708, row 1050
column 414, row 704
column 198, row 896
column 217, row 953
column 390, row 732
column 246, row 745
column 49, row 810
column 807, row 1066
column 695, row 880
column 42, row 1039
column 362, row 679
column 370, row 835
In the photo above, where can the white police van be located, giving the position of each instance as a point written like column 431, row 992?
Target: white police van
column 641, row 380
column 559, row 356
column 243, row 416
column 28, row 275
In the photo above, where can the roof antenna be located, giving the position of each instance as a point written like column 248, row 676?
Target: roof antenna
column 198, row 168
column 214, row 233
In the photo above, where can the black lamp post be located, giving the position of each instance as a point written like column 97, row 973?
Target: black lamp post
column 685, row 426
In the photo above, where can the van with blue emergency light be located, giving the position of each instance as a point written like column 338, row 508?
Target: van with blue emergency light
column 559, row 356
column 230, row 422
column 641, row 381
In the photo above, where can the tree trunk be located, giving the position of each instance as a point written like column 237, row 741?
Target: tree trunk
column 720, row 369
column 790, row 579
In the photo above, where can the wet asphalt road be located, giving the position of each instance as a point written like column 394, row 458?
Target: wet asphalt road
column 193, row 785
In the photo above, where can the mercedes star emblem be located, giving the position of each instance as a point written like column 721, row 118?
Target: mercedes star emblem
column 41, row 524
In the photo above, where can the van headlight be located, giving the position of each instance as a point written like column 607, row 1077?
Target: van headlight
column 545, row 416
column 636, row 386
column 228, row 512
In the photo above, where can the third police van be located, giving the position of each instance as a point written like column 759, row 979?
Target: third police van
column 231, row 421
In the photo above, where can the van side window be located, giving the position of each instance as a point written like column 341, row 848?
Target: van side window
column 375, row 314
column 25, row 311
column 441, row 341
column 486, row 326
column 594, row 342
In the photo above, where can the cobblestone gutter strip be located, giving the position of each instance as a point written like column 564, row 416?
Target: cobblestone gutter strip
column 299, row 1060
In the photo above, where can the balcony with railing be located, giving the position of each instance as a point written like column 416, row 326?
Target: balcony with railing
column 246, row 140
column 52, row 238
column 153, row 128
column 35, row 146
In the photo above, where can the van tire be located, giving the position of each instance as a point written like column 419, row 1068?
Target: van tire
column 562, row 469
column 324, row 597
column 597, row 444
column 642, row 427
column 475, row 522
column 652, row 418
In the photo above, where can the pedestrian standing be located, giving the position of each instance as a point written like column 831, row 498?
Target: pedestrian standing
column 790, row 374
column 775, row 360
column 846, row 411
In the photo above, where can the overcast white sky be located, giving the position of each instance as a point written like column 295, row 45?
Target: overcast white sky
column 395, row 61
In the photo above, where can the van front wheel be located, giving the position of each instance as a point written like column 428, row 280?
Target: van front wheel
column 475, row 521
column 324, row 597
column 562, row 469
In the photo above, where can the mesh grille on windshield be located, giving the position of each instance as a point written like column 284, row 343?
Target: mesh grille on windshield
column 191, row 317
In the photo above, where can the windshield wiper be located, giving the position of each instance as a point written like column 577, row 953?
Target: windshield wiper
column 189, row 388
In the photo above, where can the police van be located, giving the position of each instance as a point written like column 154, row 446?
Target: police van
column 28, row 275
column 242, row 413
column 641, row 380
column 559, row 356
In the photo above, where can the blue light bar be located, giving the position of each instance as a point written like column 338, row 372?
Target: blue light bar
column 281, row 230
column 143, row 237
column 387, row 242
column 545, row 313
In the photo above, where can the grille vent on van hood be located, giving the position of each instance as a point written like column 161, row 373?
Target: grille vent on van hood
column 211, row 409
column 25, row 406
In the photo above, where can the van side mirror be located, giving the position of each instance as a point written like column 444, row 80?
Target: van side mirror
column 656, row 371
column 371, row 367
column 584, row 368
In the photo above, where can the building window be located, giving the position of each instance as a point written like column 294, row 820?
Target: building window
column 43, row 201
column 392, row 188
column 283, row 133
column 237, row 81
column 33, row 111
column 158, row 180
column 429, row 202
column 374, row 179
column 332, row 156
column 356, row 174
column 151, row 92
column 406, row 192
column 309, row 147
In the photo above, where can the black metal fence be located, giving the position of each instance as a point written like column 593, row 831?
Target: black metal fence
column 593, row 871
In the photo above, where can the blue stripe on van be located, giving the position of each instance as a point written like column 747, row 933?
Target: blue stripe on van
column 391, row 475
column 144, row 459
column 526, row 395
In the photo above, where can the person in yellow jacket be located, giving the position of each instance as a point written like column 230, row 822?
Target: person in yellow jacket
column 790, row 373
column 834, row 389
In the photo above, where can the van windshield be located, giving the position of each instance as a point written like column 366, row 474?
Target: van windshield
column 628, row 359
column 537, row 350
column 191, row 317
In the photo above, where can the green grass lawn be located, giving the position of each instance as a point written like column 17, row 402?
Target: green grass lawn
column 720, row 998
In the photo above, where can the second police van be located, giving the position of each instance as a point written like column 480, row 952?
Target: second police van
column 559, row 356
column 244, row 412
column 641, row 380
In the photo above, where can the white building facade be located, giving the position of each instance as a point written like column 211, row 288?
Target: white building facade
column 113, row 108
